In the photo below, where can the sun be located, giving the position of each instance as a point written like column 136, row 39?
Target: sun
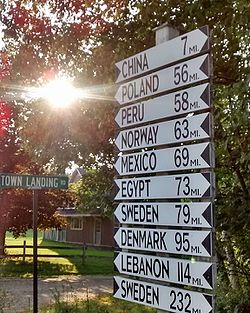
column 60, row 93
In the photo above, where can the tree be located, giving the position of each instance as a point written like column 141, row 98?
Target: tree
column 123, row 28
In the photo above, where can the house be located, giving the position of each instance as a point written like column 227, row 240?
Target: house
column 89, row 229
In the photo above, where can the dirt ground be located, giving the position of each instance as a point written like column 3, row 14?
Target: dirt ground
column 19, row 291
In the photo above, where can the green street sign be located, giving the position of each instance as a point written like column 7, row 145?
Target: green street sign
column 8, row 180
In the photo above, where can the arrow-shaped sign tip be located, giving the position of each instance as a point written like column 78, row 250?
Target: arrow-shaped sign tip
column 205, row 125
column 205, row 66
column 207, row 214
column 208, row 275
column 207, row 243
column 205, row 96
column 117, row 72
column 115, row 286
column 206, row 155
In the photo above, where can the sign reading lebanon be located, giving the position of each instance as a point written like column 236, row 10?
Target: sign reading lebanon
column 188, row 242
column 173, row 104
column 179, row 271
column 30, row 181
column 191, row 214
column 189, row 128
column 173, row 77
column 187, row 45
column 194, row 185
column 162, row 297
column 186, row 157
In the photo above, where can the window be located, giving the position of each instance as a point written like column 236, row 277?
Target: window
column 76, row 223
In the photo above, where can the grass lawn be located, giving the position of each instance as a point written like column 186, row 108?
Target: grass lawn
column 49, row 267
column 101, row 304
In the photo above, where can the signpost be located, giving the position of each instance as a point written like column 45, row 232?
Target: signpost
column 176, row 76
column 162, row 297
column 180, row 102
column 188, row 45
column 166, row 153
column 195, row 127
column 180, row 214
column 194, row 185
column 35, row 183
column 186, row 157
column 186, row 242
column 171, row 270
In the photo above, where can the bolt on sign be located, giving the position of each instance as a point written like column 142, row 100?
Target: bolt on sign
column 164, row 182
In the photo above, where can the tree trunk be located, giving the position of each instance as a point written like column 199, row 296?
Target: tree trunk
column 2, row 238
column 230, row 258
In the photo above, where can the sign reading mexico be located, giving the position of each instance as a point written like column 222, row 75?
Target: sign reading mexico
column 33, row 181
column 188, row 45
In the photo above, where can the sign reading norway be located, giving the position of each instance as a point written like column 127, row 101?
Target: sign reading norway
column 8, row 180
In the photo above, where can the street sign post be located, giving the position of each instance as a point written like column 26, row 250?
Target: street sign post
column 35, row 183
column 188, row 45
column 176, row 76
column 186, row 242
column 195, row 127
column 162, row 297
column 179, row 214
column 180, row 102
column 185, row 157
column 165, row 180
column 171, row 270
column 8, row 180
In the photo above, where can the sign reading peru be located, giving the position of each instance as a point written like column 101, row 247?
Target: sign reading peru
column 162, row 297
column 173, row 104
column 189, row 128
column 188, row 45
column 182, row 74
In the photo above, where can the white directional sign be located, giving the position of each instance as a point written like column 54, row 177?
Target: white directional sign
column 195, row 127
column 173, row 104
column 187, row 45
column 196, row 156
column 162, row 297
column 194, row 185
column 191, row 214
column 176, row 76
column 179, row 271
column 188, row 242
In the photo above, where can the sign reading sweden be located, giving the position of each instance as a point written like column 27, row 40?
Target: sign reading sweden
column 30, row 181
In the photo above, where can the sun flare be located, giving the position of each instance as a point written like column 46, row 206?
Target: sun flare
column 59, row 93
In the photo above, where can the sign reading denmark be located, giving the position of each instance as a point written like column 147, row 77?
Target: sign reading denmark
column 30, row 181
column 191, row 214
column 182, row 74
column 162, row 297
column 196, row 156
column 187, row 45
column 189, row 128
column 194, row 185
column 179, row 271
column 188, row 242
column 173, row 104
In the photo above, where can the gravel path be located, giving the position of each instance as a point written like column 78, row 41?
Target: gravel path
column 19, row 291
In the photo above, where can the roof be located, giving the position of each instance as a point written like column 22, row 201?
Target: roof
column 73, row 212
